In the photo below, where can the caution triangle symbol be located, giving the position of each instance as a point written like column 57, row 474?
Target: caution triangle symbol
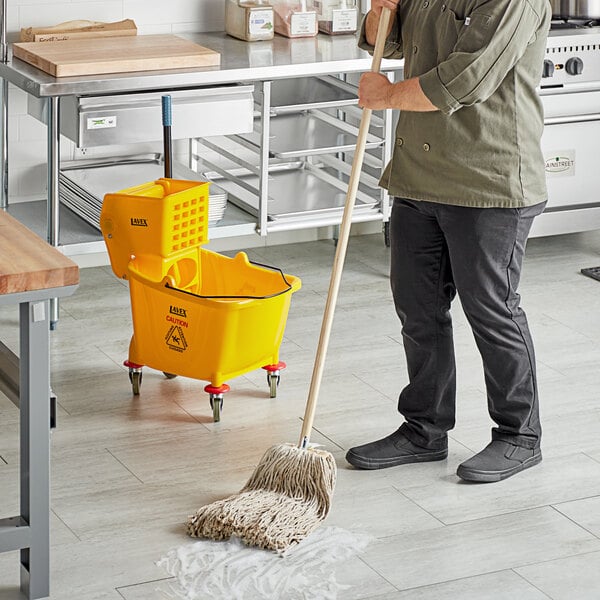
column 176, row 338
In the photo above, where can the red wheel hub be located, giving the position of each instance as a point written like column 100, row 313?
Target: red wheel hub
column 214, row 389
column 273, row 368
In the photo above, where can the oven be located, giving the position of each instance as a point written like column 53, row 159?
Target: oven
column 570, row 93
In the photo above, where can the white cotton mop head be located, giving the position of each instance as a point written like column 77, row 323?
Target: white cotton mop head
column 288, row 495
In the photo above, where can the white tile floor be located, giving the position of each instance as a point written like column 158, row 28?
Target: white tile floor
column 127, row 471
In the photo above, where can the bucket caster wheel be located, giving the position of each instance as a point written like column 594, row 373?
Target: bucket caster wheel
column 215, row 397
column 169, row 375
column 274, row 377
column 273, row 381
column 135, row 376
column 216, row 403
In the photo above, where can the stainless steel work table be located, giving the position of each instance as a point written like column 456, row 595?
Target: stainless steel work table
column 241, row 62
column 31, row 273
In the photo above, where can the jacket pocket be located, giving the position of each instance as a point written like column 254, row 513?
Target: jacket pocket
column 450, row 26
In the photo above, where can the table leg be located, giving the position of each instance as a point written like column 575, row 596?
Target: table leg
column 53, row 221
column 263, row 182
column 4, row 113
column 35, row 446
column 4, row 145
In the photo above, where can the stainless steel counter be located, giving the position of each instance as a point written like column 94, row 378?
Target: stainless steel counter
column 241, row 62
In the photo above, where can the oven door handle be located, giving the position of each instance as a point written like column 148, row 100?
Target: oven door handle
column 575, row 119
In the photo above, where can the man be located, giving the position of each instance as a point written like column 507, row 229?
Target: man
column 467, row 177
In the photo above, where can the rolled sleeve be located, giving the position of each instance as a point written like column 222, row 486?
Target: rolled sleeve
column 438, row 94
column 489, row 44
column 393, row 44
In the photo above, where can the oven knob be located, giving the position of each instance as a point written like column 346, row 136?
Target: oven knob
column 548, row 69
column 574, row 66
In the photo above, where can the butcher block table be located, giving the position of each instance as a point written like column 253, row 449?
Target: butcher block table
column 31, row 272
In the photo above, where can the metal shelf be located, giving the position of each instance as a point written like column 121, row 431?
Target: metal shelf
column 309, row 93
column 307, row 134
column 296, row 194
column 292, row 171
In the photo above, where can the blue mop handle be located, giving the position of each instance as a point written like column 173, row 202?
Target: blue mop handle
column 167, row 120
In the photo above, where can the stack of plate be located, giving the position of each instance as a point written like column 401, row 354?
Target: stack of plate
column 83, row 184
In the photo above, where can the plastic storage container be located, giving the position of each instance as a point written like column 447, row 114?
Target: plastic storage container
column 295, row 18
column 337, row 16
column 250, row 21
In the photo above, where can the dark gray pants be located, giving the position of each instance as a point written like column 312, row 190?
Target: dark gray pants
column 438, row 250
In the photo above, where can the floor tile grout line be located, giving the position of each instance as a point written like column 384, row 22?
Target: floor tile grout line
column 120, row 365
column 65, row 524
column 493, row 516
column 63, row 408
column 436, row 583
column 461, row 444
column 569, row 327
column 419, row 506
column 542, row 562
column 589, row 456
column 554, row 507
column 385, row 396
column 531, row 583
column 132, row 585
column 191, row 415
column 327, row 438
column 125, row 466
column 378, row 573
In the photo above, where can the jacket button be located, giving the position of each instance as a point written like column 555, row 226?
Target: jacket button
column 425, row 4
column 415, row 49
column 399, row 142
column 426, row 147
column 443, row 7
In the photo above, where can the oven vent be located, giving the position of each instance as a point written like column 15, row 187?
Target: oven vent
column 566, row 49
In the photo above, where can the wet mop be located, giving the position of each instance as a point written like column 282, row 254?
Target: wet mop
column 291, row 489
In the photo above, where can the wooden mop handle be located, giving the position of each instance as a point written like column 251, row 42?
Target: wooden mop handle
column 340, row 254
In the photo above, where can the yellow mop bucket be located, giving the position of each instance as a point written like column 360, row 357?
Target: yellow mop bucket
column 195, row 313
column 232, row 324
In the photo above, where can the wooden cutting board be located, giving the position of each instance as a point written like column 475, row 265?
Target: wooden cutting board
column 28, row 263
column 115, row 55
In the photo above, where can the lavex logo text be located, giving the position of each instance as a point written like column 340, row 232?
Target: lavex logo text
column 139, row 222
column 559, row 164
column 176, row 310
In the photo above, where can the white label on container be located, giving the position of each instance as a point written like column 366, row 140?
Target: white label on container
column 260, row 22
column 303, row 23
column 101, row 122
column 345, row 20
column 560, row 163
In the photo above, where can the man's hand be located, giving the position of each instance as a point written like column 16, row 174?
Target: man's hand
column 373, row 16
column 377, row 93
column 374, row 91
column 377, row 5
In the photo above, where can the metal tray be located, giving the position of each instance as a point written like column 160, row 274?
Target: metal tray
column 83, row 184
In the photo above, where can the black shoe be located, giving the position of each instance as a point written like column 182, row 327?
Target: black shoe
column 497, row 461
column 393, row 450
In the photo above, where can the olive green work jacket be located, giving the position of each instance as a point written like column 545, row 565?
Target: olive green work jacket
column 479, row 62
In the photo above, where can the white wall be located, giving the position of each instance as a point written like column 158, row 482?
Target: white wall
column 151, row 16
column 27, row 136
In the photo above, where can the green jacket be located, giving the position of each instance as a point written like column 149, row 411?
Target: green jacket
column 479, row 62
